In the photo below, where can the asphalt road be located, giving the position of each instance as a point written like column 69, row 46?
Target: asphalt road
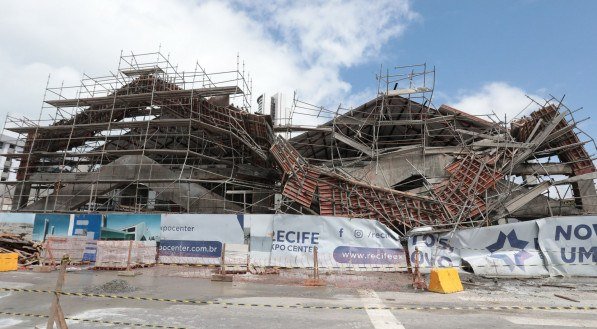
column 287, row 303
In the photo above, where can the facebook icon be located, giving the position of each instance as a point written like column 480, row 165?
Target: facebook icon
column 341, row 231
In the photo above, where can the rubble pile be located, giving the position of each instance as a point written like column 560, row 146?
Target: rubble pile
column 28, row 250
column 111, row 287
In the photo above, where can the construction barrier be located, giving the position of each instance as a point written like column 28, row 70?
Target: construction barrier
column 198, row 239
column 444, row 280
column 324, row 265
column 130, row 226
column 52, row 225
column 289, row 241
column 55, row 247
column 236, row 258
column 549, row 246
column 567, row 241
column 121, row 254
column 9, row 261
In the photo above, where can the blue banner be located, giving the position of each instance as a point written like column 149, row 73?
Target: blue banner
column 87, row 223
column 51, row 224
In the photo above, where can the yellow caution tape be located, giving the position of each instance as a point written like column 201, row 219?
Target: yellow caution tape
column 119, row 323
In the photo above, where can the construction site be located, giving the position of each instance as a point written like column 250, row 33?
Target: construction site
column 151, row 139
column 184, row 168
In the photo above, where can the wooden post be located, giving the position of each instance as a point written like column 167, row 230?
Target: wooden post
column 56, row 314
column 418, row 282
column 128, row 271
column 223, row 260
column 315, row 281
column 221, row 275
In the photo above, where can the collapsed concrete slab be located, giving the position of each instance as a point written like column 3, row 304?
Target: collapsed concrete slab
column 74, row 188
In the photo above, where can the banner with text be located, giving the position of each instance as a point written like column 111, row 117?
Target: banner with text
column 434, row 250
column 569, row 244
column 340, row 242
column 197, row 238
column 550, row 246
column 501, row 250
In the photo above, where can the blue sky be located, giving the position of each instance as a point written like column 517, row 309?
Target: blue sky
column 488, row 54
column 541, row 47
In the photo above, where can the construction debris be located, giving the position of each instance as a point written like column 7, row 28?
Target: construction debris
column 117, row 286
column 27, row 250
column 567, row 298
column 152, row 139
column 557, row 286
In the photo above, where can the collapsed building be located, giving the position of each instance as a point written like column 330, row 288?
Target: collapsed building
column 151, row 139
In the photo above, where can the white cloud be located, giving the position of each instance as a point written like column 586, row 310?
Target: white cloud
column 286, row 45
column 24, row 84
column 359, row 98
column 499, row 98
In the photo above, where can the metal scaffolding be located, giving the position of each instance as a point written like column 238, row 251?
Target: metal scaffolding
column 146, row 138
column 403, row 162
column 149, row 138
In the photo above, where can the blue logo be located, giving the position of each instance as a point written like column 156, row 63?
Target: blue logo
column 514, row 243
column 341, row 231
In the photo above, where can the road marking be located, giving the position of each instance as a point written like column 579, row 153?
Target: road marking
column 8, row 323
column 552, row 322
column 381, row 319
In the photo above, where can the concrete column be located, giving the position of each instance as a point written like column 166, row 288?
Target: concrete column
column 21, row 195
column 584, row 191
column 151, row 199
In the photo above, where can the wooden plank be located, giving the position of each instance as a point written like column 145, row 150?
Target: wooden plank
column 300, row 128
column 415, row 122
column 354, row 144
column 539, row 139
column 105, row 125
column 56, row 314
column 157, row 95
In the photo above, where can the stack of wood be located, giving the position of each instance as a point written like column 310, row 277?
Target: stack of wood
column 28, row 250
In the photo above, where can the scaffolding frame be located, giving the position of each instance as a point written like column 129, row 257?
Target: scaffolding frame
column 151, row 138
column 478, row 186
column 150, row 117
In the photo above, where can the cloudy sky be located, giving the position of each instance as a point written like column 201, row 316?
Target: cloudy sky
column 488, row 55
